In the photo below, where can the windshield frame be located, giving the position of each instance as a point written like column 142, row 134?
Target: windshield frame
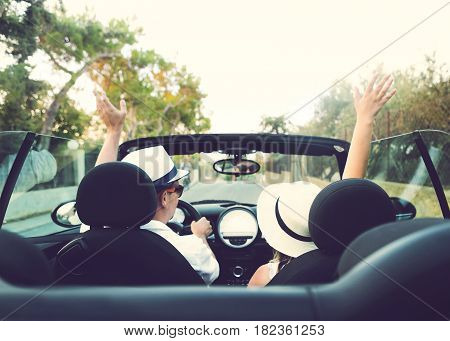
column 14, row 173
column 430, row 167
column 439, row 189
column 228, row 143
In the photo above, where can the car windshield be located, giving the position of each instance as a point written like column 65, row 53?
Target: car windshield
column 204, row 184
column 54, row 167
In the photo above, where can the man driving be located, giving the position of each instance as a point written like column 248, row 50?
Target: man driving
column 161, row 169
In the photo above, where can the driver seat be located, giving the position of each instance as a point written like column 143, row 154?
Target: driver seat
column 115, row 199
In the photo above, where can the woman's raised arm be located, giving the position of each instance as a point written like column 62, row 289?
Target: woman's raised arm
column 366, row 106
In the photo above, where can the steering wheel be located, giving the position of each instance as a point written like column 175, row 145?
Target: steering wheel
column 184, row 229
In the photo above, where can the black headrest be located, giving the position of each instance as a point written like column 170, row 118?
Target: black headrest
column 22, row 263
column 376, row 238
column 345, row 209
column 116, row 194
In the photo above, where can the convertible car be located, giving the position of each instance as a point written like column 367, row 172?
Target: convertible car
column 51, row 270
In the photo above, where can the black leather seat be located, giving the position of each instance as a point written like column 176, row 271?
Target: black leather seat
column 22, row 263
column 396, row 271
column 341, row 211
column 404, row 279
column 115, row 199
column 373, row 240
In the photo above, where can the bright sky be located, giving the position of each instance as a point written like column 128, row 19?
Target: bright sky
column 259, row 57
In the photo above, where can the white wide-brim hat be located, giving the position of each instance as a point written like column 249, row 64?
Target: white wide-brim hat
column 157, row 164
column 282, row 212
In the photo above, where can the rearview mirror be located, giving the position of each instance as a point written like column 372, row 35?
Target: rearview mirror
column 404, row 210
column 65, row 215
column 236, row 167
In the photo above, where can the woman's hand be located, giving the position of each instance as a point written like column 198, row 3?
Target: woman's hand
column 110, row 115
column 366, row 106
column 373, row 99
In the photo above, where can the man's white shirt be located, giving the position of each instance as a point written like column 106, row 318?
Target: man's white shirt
column 191, row 247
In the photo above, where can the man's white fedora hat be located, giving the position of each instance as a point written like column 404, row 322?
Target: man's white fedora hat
column 282, row 212
column 157, row 164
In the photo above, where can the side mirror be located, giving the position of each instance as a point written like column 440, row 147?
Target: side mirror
column 65, row 215
column 404, row 210
column 234, row 167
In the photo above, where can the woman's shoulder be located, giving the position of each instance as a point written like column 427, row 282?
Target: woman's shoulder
column 261, row 276
column 273, row 268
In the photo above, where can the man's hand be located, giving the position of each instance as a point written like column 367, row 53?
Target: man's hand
column 368, row 105
column 201, row 228
column 113, row 119
column 110, row 115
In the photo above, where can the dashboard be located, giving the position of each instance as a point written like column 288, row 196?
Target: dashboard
column 236, row 240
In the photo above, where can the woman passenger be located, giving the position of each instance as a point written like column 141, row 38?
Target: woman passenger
column 292, row 208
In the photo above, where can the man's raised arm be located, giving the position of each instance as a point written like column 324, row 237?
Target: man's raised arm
column 113, row 119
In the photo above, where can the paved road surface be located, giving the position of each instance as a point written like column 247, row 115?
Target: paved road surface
column 40, row 225
column 237, row 191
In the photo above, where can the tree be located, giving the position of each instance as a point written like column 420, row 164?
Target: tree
column 82, row 41
column 333, row 113
column 274, row 125
column 161, row 98
column 70, row 121
column 24, row 28
column 20, row 23
column 21, row 99
column 422, row 102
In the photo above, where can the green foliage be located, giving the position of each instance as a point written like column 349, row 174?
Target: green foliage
column 161, row 98
column 71, row 122
column 22, row 105
column 333, row 112
column 422, row 102
column 274, row 125
column 82, row 39
column 24, row 28
column 20, row 24
column 21, row 99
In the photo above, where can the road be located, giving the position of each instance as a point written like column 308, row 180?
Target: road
column 40, row 225
column 237, row 191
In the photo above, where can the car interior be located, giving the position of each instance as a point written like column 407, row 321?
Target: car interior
column 373, row 262
column 404, row 277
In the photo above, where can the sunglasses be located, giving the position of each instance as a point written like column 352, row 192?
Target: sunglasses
column 176, row 189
